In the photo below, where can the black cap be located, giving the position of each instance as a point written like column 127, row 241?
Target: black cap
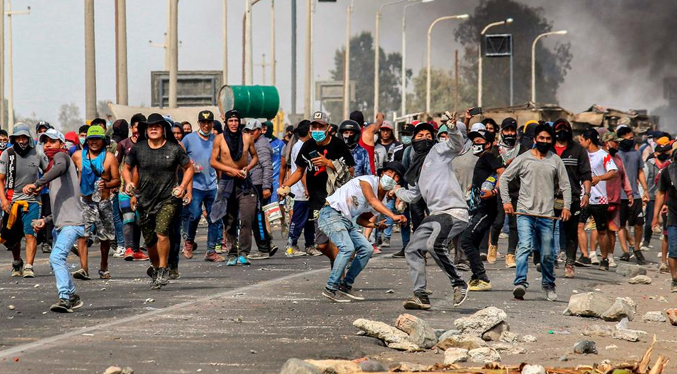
column 486, row 135
column 233, row 113
column 407, row 129
column 41, row 124
column 153, row 119
column 205, row 116
column 395, row 166
column 509, row 122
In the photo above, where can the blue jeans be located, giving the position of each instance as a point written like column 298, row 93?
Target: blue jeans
column 117, row 219
column 63, row 242
column 343, row 233
column 672, row 241
column 200, row 198
column 529, row 230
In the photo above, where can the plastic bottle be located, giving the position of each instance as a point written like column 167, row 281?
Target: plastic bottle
column 96, row 196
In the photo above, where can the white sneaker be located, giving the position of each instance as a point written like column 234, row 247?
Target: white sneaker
column 644, row 247
column 119, row 252
column 594, row 260
column 503, row 235
column 612, row 263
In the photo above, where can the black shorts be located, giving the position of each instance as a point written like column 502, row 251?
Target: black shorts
column 632, row 215
column 320, row 237
column 598, row 213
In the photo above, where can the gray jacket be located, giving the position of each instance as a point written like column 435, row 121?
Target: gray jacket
column 262, row 172
column 438, row 185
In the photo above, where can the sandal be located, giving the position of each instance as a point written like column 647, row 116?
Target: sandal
column 104, row 274
column 81, row 275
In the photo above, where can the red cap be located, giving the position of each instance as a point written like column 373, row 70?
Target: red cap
column 72, row 137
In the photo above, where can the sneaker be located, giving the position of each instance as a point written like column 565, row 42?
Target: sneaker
column 46, row 248
column 161, row 279
column 259, row 256
column 460, row 294
column 639, row 257
column 273, row 249
column 377, row 250
column 550, row 293
column 612, row 263
column 561, row 258
column 400, row 254
column 63, row 306
column 28, row 271
column 76, row 302
column 503, row 236
column 492, row 254
column 673, row 286
column 478, row 285
column 119, row 252
column 519, row 291
column 625, row 257
column 419, row 301
column 538, row 267
column 81, row 275
column 583, row 261
column 348, row 292
column 243, row 260
column 294, row 251
column 568, row 271
column 212, row 256
column 510, row 261
column 463, row 266
column 151, row 272
column 594, row 259
column 312, row 251
column 232, row 261
column 604, row 265
column 174, row 271
column 131, row 255
column 188, row 247
column 644, row 247
column 386, row 243
column 17, row 268
column 663, row 268
column 334, row 296
column 218, row 248
column 483, row 256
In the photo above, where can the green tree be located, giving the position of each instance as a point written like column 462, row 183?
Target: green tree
column 551, row 65
column 362, row 72
column 442, row 92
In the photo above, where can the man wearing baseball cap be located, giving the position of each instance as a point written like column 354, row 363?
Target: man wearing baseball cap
column 199, row 145
column 69, row 224
column 99, row 173
column 385, row 152
column 20, row 166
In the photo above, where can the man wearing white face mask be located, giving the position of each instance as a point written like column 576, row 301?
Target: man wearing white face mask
column 360, row 198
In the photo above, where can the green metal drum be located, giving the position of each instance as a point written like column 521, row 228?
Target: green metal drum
column 250, row 101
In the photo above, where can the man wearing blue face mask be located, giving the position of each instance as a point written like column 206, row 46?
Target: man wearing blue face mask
column 4, row 140
column 319, row 156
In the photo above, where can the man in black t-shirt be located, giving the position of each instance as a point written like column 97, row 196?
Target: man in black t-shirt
column 315, row 157
column 156, row 156
column 667, row 190
column 483, row 205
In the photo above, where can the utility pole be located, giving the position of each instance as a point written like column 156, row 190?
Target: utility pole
column 309, row 30
column 273, row 63
column 249, row 61
column 173, row 51
column 121, row 88
column 225, row 42
column 90, row 62
column 2, row 68
column 293, row 57
column 10, row 65
column 346, row 66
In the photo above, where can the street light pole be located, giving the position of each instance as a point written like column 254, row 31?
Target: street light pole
column 346, row 64
column 309, row 31
column 403, row 83
column 430, row 33
column 121, row 52
column 225, row 42
column 377, row 54
column 90, row 62
column 173, row 52
column 10, row 65
column 273, row 63
column 533, row 60
column 248, row 58
column 479, row 58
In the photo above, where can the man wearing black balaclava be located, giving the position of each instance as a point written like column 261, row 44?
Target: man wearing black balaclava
column 229, row 158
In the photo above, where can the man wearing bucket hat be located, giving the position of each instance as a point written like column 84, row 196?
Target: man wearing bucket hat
column 69, row 225
column 99, row 173
column 156, row 156
column 20, row 166
column 361, row 198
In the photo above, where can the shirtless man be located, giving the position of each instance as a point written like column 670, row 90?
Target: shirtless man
column 367, row 140
column 99, row 171
column 235, row 190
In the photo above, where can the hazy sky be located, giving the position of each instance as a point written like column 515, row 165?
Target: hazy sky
column 49, row 48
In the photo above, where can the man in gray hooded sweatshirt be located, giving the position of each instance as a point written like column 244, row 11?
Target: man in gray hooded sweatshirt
column 438, row 186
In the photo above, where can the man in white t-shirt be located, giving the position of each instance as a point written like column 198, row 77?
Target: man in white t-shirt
column 603, row 168
column 360, row 198
column 300, row 219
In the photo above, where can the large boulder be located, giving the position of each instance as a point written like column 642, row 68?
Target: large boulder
column 454, row 355
column 296, row 366
column 464, row 341
column 621, row 308
column 481, row 321
column 391, row 336
column 484, row 355
column 590, row 304
column 418, row 330
column 494, row 333
column 630, row 270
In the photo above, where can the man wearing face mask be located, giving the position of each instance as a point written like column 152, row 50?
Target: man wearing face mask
column 4, row 140
column 507, row 150
column 483, row 205
column 577, row 163
column 349, row 132
column 540, row 171
column 361, row 198
column 631, row 214
column 20, row 166
column 405, row 133
column 423, row 142
column 658, row 160
column 82, row 135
